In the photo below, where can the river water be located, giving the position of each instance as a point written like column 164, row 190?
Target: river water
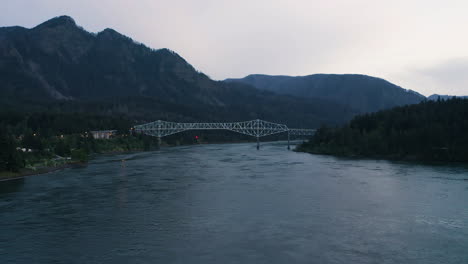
column 230, row 203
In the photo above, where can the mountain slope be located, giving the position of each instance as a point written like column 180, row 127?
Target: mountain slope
column 60, row 60
column 360, row 92
column 58, row 66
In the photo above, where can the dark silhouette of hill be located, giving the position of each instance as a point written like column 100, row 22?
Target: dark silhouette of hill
column 360, row 92
column 436, row 97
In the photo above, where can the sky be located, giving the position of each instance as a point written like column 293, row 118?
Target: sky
column 417, row 44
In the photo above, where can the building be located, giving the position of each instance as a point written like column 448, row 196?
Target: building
column 103, row 134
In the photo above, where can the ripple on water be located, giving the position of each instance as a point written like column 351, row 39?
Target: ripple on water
column 233, row 204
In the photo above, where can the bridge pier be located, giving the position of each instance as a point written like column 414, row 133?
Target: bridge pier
column 159, row 142
column 258, row 143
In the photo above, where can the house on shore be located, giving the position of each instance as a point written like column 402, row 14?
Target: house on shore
column 103, row 134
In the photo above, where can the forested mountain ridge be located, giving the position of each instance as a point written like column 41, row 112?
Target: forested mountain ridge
column 360, row 92
column 429, row 131
column 57, row 64
column 62, row 61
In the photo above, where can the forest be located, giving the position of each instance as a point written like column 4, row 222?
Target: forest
column 433, row 131
column 48, row 139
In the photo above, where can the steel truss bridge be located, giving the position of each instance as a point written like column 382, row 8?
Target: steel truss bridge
column 255, row 128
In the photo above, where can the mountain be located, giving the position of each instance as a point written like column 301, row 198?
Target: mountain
column 59, row 66
column 360, row 92
column 59, row 60
column 435, row 97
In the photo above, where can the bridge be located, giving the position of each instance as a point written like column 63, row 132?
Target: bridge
column 255, row 128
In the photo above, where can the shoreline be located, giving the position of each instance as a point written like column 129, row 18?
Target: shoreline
column 395, row 159
column 9, row 176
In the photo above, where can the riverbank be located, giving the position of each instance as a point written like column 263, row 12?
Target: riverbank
column 8, row 175
column 409, row 159
column 42, row 169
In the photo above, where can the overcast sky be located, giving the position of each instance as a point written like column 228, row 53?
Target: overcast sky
column 418, row 44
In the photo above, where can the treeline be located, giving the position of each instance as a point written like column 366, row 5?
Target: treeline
column 51, row 138
column 48, row 139
column 429, row 131
column 56, row 123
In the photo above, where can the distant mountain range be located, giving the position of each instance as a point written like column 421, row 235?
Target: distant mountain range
column 59, row 66
column 359, row 92
column 435, row 97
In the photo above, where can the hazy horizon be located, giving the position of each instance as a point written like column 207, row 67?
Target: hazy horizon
column 417, row 45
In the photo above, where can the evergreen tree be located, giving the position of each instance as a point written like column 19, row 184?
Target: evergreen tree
column 431, row 130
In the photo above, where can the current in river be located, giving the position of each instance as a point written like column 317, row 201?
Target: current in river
column 229, row 203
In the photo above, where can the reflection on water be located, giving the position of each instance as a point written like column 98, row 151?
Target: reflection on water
column 234, row 204
column 122, row 187
column 11, row 185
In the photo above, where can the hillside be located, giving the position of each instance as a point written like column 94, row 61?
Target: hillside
column 429, row 131
column 360, row 92
column 59, row 66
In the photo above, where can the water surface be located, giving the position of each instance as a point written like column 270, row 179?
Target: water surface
column 233, row 204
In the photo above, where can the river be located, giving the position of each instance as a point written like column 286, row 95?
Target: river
column 230, row 203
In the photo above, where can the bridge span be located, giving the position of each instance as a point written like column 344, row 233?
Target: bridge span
column 255, row 128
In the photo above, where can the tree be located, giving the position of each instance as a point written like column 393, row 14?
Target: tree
column 432, row 131
column 62, row 148
column 79, row 155
column 32, row 141
column 10, row 158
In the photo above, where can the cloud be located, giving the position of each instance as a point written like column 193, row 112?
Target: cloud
column 445, row 77
column 451, row 75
